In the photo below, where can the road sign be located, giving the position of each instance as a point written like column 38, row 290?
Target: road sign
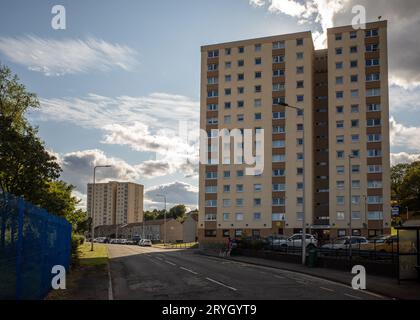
column 395, row 211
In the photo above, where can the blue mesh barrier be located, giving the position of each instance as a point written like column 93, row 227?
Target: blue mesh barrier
column 32, row 241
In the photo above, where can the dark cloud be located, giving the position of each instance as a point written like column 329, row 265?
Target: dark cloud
column 176, row 193
column 403, row 32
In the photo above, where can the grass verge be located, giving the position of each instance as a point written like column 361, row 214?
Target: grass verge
column 98, row 256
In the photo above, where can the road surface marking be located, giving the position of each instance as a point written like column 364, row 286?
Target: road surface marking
column 279, row 277
column 351, row 296
column 221, row 284
column 188, row 270
column 171, row 263
column 159, row 258
column 327, row 289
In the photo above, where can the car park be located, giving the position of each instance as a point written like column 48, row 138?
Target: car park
column 295, row 241
column 344, row 243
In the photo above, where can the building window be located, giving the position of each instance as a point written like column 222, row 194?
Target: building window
column 354, row 78
column 340, row 185
column 299, row 42
column 373, row 92
column 371, row 33
column 354, row 93
column 258, row 75
column 339, row 94
column 299, row 55
column 374, row 122
column 210, row 217
column 353, row 64
column 353, row 35
column 338, row 36
column 372, row 48
column 239, row 217
column 353, row 49
column 340, row 139
column 210, row 233
column 278, row 45
column 278, row 73
column 226, row 233
column 338, row 51
column 300, row 70
column 339, row 65
column 258, row 61
column 238, row 233
column 355, row 108
column 375, row 215
column 340, row 170
column 258, row 47
column 278, row 87
column 339, row 80
column 372, row 62
column 211, row 203
column 278, row 59
column 340, row 200
column 373, row 77
column 279, row 201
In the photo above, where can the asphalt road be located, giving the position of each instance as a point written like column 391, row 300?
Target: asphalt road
column 157, row 274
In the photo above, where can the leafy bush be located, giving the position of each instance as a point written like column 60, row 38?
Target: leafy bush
column 76, row 241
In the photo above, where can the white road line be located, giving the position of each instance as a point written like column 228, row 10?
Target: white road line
column 171, row 263
column 327, row 289
column 351, row 296
column 159, row 258
column 188, row 270
column 221, row 284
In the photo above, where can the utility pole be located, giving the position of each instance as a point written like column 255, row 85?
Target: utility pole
column 304, row 182
column 164, row 219
column 350, row 207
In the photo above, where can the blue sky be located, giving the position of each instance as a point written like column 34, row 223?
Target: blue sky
column 114, row 84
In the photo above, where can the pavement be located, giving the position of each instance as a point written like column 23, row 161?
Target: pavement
column 139, row 273
column 384, row 286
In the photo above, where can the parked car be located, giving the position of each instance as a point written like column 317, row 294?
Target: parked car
column 100, row 240
column 146, row 243
column 344, row 243
column 295, row 241
column 131, row 242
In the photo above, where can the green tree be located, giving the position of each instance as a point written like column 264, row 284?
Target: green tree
column 398, row 173
column 410, row 187
column 15, row 100
column 26, row 168
column 79, row 220
column 178, row 212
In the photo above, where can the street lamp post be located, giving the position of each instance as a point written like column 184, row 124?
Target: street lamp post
column 164, row 218
column 304, row 184
column 350, row 206
column 93, row 203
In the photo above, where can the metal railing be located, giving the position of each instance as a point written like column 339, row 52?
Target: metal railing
column 32, row 241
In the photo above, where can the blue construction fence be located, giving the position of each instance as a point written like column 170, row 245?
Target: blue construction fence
column 32, row 241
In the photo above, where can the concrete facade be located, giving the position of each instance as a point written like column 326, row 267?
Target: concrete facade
column 344, row 94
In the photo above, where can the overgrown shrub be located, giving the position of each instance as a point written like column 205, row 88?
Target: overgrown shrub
column 76, row 241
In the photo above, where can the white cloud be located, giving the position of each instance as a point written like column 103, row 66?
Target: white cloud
column 176, row 193
column 404, row 98
column 68, row 56
column 78, row 171
column 160, row 123
column 319, row 12
column 404, row 137
column 78, row 168
column 403, row 157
